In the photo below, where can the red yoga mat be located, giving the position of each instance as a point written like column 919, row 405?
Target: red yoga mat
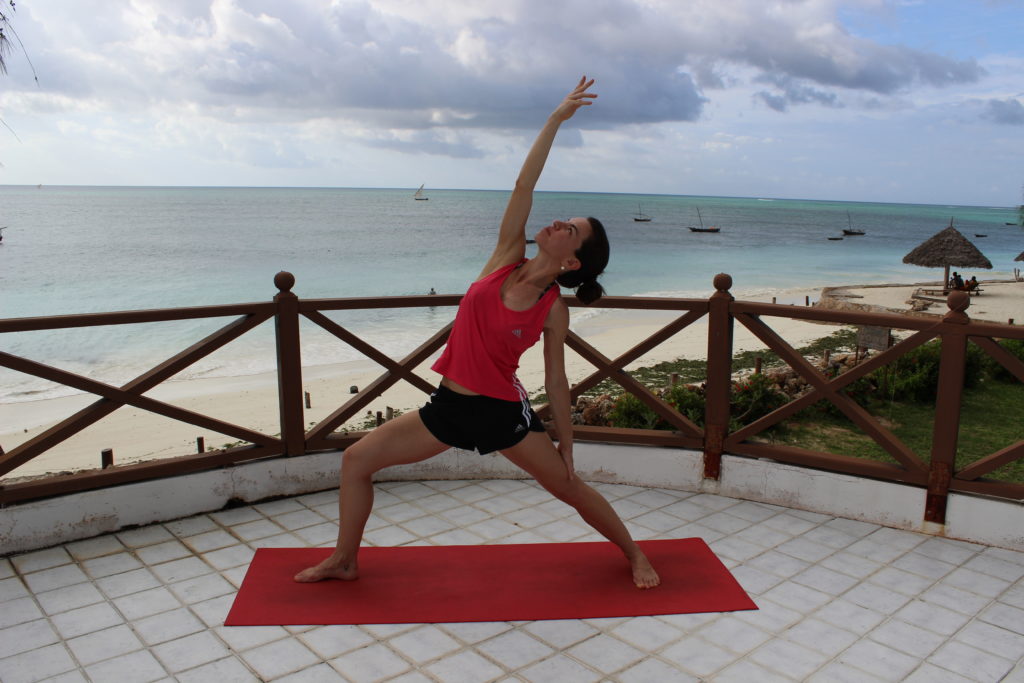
column 524, row 582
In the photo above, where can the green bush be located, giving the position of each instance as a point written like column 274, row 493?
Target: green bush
column 688, row 400
column 915, row 376
column 632, row 413
column 995, row 370
column 751, row 399
column 863, row 391
column 755, row 397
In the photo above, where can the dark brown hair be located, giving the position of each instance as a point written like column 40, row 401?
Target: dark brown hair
column 593, row 257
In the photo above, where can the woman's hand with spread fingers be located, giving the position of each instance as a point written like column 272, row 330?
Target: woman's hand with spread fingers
column 579, row 97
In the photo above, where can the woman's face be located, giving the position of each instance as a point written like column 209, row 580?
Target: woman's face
column 562, row 239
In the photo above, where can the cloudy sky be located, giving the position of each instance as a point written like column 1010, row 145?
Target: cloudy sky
column 873, row 100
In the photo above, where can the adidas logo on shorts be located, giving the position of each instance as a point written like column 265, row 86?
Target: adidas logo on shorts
column 519, row 428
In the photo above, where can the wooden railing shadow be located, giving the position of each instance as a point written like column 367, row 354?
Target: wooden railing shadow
column 714, row 439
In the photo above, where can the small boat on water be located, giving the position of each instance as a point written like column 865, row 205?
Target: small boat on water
column 978, row 234
column 851, row 231
column 2, row 233
column 419, row 196
column 834, row 239
column 640, row 216
column 702, row 228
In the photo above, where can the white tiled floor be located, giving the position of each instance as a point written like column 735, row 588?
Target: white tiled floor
column 839, row 600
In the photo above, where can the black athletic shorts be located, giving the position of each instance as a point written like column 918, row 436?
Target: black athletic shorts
column 481, row 422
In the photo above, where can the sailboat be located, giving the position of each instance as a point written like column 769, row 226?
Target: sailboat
column 640, row 216
column 851, row 230
column 702, row 228
column 419, row 196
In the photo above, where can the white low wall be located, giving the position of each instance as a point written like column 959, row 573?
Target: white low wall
column 44, row 523
column 986, row 520
column 839, row 495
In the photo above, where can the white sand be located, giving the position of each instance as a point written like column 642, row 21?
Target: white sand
column 251, row 401
column 999, row 301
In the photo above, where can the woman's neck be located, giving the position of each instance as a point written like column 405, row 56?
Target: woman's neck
column 540, row 271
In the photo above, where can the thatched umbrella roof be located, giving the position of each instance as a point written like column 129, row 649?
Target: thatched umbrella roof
column 1020, row 257
column 947, row 248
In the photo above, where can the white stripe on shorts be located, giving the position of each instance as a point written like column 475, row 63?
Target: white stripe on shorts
column 524, row 399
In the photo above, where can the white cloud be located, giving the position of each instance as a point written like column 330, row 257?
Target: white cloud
column 505, row 61
column 270, row 86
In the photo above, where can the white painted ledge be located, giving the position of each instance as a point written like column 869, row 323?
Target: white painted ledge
column 45, row 523
column 986, row 520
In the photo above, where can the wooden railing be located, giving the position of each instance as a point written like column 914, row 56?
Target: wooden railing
column 937, row 473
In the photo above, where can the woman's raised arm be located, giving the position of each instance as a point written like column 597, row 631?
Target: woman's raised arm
column 511, row 236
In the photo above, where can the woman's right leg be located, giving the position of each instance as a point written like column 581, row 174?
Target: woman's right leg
column 401, row 441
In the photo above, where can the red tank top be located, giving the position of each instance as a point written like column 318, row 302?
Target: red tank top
column 488, row 338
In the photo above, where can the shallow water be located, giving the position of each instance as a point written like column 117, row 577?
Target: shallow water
column 85, row 249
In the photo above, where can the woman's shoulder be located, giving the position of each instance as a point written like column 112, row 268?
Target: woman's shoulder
column 557, row 317
column 502, row 257
column 495, row 271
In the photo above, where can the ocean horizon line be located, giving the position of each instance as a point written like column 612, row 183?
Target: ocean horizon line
column 1012, row 207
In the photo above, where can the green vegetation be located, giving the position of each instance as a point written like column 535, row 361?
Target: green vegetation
column 694, row 371
column 751, row 399
column 989, row 421
column 900, row 396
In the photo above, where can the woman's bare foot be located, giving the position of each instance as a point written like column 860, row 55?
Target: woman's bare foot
column 644, row 575
column 331, row 568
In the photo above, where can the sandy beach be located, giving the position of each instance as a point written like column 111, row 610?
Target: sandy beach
column 999, row 301
column 251, row 401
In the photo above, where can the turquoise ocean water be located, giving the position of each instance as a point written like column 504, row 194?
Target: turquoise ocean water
column 86, row 249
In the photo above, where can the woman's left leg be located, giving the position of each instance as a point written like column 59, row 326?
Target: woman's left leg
column 537, row 455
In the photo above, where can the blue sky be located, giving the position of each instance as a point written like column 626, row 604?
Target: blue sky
column 872, row 100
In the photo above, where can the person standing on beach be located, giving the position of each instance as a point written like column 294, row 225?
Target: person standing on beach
column 480, row 403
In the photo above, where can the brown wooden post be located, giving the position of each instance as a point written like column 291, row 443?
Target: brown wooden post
column 952, row 361
column 289, row 365
column 719, row 382
column 200, row 444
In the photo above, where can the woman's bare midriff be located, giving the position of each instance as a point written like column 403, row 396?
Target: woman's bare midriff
column 457, row 388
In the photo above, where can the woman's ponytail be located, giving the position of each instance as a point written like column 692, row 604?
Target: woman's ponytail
column 589, row 292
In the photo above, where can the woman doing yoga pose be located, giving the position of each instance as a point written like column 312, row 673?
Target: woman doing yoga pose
column 480, row 403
